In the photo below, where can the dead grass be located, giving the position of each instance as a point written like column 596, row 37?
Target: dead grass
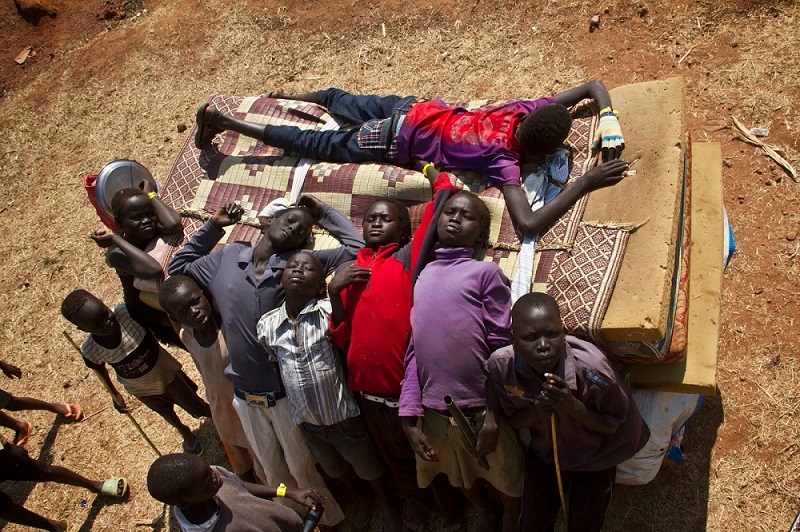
column 97, row 103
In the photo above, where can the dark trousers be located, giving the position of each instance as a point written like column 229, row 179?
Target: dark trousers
column 387, row 432
column 588, row 495
column 340, row 145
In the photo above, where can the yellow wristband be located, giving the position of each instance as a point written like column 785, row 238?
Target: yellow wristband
column 425, row 169
column 152, row 195
column 608, row 110
column 281, row 491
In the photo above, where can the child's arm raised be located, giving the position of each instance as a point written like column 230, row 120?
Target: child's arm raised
column 169, row 221
column 194, row 259
column 609, row 134
column 339, row 226
column 532, row 223
column 128, row 257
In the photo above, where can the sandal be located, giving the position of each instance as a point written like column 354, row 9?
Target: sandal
column 115, row 487
column 195, row 448
column 22, row 437
column 74, row 412
column 205, row 128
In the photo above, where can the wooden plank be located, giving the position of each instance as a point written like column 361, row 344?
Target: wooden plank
column 698, row 372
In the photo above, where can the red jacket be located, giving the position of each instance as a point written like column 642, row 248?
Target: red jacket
column 377, row 323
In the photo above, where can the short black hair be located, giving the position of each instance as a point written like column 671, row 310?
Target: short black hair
column 74, row 302
column 404, row 218
column 544, row 130
column 534, row 300
column 323, row 287
column 170, row 286
column 119, row 199
column 485, row 218
column 174, row 474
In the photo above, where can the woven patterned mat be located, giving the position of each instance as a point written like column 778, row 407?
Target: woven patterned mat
column 579, row 263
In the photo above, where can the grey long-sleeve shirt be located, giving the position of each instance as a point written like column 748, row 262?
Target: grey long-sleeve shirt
column 242, row 298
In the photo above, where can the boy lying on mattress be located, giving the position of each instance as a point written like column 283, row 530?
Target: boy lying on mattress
column 494, row 140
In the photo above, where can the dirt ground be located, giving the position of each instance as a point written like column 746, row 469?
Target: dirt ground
column 113, row 79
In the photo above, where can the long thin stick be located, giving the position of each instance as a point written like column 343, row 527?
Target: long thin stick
column 558, row 468
column 105, row 385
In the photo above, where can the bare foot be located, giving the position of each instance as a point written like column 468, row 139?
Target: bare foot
column 22, row 434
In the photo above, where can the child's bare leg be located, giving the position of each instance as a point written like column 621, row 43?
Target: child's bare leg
column 511, row 510
column 14, row 513
column 477, row 496
column 186, row 433
column 62, row 475
column 366, row 498
column 392, row 512
column 30, row 403
column 20, row 428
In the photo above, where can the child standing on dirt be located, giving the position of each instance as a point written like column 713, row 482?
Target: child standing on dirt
column 546, row 379
column 494, row 140
column 143, row 367
column 142, row 218
column 211, row 498
column 460, row 315
column 295, row 335
column 245, row 284
column 379, row 283
column 201, row 333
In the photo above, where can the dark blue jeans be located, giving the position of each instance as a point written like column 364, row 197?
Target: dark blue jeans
column 343, row 146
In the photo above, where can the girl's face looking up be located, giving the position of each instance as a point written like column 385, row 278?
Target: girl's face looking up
column 461, row 224
column 139, row 222
column 382, row 225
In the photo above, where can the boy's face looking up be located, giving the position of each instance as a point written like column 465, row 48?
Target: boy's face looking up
column 139, row 221
column 538, row 337
column 96, row 318
column 207, row 485
column 290, row 229
column 189, row 306
column 382, row 225
column 303, row 276
column 460, row 223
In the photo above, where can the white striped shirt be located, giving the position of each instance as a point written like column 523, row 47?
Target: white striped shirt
column 311, row 368
column 143, row 367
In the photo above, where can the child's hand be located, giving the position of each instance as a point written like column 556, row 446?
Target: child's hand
column 301, row 496
column 228, row 214
column 120, row 405
column 606, row 174
column 419, row 442
column 351, row 275
column 10, row 370
column 312, row 204
column 103, row 238
column 609, row 135
column 147, row 187
column 487, row 439
column 557, row 394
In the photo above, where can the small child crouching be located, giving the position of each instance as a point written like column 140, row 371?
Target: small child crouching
column 296, row 336
column 546, row 377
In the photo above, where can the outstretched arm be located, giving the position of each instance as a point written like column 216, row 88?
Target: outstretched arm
column 591, row 89
column 531, row 223
column 608, row 135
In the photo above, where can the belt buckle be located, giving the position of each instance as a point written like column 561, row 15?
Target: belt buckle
column 263, row 400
